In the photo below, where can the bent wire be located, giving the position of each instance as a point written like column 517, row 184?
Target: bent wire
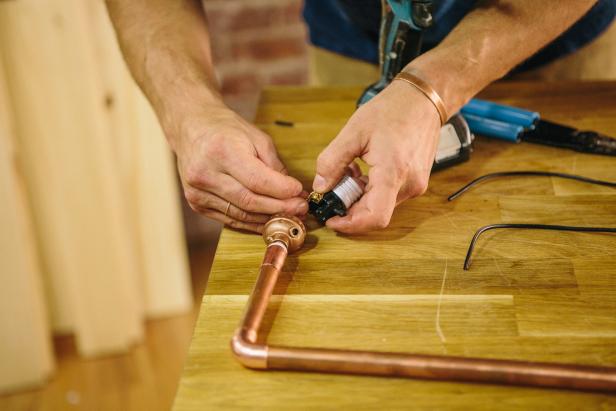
column 471, row 246
column 490, row 176
column 286, row 234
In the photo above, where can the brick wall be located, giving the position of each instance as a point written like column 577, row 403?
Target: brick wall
column 256, row 43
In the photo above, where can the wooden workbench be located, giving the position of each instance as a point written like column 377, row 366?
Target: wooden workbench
column 546, row 296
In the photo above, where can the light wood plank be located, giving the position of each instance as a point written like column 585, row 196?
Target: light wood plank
column 25, row 342
column 70, row 171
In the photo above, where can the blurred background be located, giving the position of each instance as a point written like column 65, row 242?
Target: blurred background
column 103, row 264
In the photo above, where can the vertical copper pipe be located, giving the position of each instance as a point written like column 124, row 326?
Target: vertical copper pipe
column 283, row 234
column 273, row 261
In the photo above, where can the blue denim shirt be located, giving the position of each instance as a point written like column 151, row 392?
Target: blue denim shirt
column 351, row 28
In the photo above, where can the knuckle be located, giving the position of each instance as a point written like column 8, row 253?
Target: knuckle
column 419, row 184
column 193, row 176
column 246, row 199
column 192, row 197
column 241, row 215
column 255, row 181
column 196, row 176
column 381, row 221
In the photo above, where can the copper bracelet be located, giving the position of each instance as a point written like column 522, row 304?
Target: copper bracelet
column 427, row 90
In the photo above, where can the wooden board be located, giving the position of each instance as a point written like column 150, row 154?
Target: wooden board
column 531, row 295
column 25, row 343
column 99, row 174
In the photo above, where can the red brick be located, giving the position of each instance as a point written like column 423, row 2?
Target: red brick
column 239, row 16
column 247, row 81
column 255, row 44
column 269, row 48
column 295, row 77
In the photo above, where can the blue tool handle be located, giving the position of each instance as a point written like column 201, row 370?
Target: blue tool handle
column 500, row 112
column 493, row 128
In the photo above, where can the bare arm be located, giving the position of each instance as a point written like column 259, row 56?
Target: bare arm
column 229, row 169
column 490, row 41
column 396, row 133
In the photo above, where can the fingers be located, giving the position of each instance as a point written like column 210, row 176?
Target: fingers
column 259, row 178
column 225, row 188
column 333, row 161
column 374, row 209
column 232, row 190
column 201, row 202
column 228, row 221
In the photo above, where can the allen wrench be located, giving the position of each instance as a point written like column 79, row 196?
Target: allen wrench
column 286, row 234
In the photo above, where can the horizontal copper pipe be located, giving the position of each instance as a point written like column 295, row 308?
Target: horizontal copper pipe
column 246, row 348
column 434, row 367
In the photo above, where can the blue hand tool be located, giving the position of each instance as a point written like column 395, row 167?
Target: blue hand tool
column 516, row 124
column 494, row 128
column 501, row 112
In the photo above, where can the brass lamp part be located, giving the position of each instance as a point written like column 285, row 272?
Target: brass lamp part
column 288, row 230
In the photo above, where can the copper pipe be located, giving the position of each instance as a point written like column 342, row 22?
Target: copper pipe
column 284, row 234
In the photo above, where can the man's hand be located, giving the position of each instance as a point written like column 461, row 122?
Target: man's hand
column 396, row 134
column 230, row 171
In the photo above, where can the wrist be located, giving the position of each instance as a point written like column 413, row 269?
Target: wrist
column 183, row 127
column 427, row 90
column 179, row 89
column 454, row 79
column 403, row 95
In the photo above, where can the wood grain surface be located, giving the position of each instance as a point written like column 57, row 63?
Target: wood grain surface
column 531, row 295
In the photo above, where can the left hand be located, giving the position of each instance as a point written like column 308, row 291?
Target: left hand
column 396, row 134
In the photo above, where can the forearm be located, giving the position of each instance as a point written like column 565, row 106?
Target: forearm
column 167, row 48
column 492, row 40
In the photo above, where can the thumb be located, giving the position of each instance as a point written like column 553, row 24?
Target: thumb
column 334, row 160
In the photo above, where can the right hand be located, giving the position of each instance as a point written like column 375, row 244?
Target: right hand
column 230, row 171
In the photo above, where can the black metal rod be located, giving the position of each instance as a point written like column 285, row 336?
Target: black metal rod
column 530, row 174
column 471, row 247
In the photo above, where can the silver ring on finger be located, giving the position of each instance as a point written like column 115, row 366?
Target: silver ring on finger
column 227, row 209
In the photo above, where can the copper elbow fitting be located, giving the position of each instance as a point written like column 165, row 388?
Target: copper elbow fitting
column 249, row 354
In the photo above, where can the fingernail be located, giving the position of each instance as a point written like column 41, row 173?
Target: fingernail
column 319, row 184
column 302, row 208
